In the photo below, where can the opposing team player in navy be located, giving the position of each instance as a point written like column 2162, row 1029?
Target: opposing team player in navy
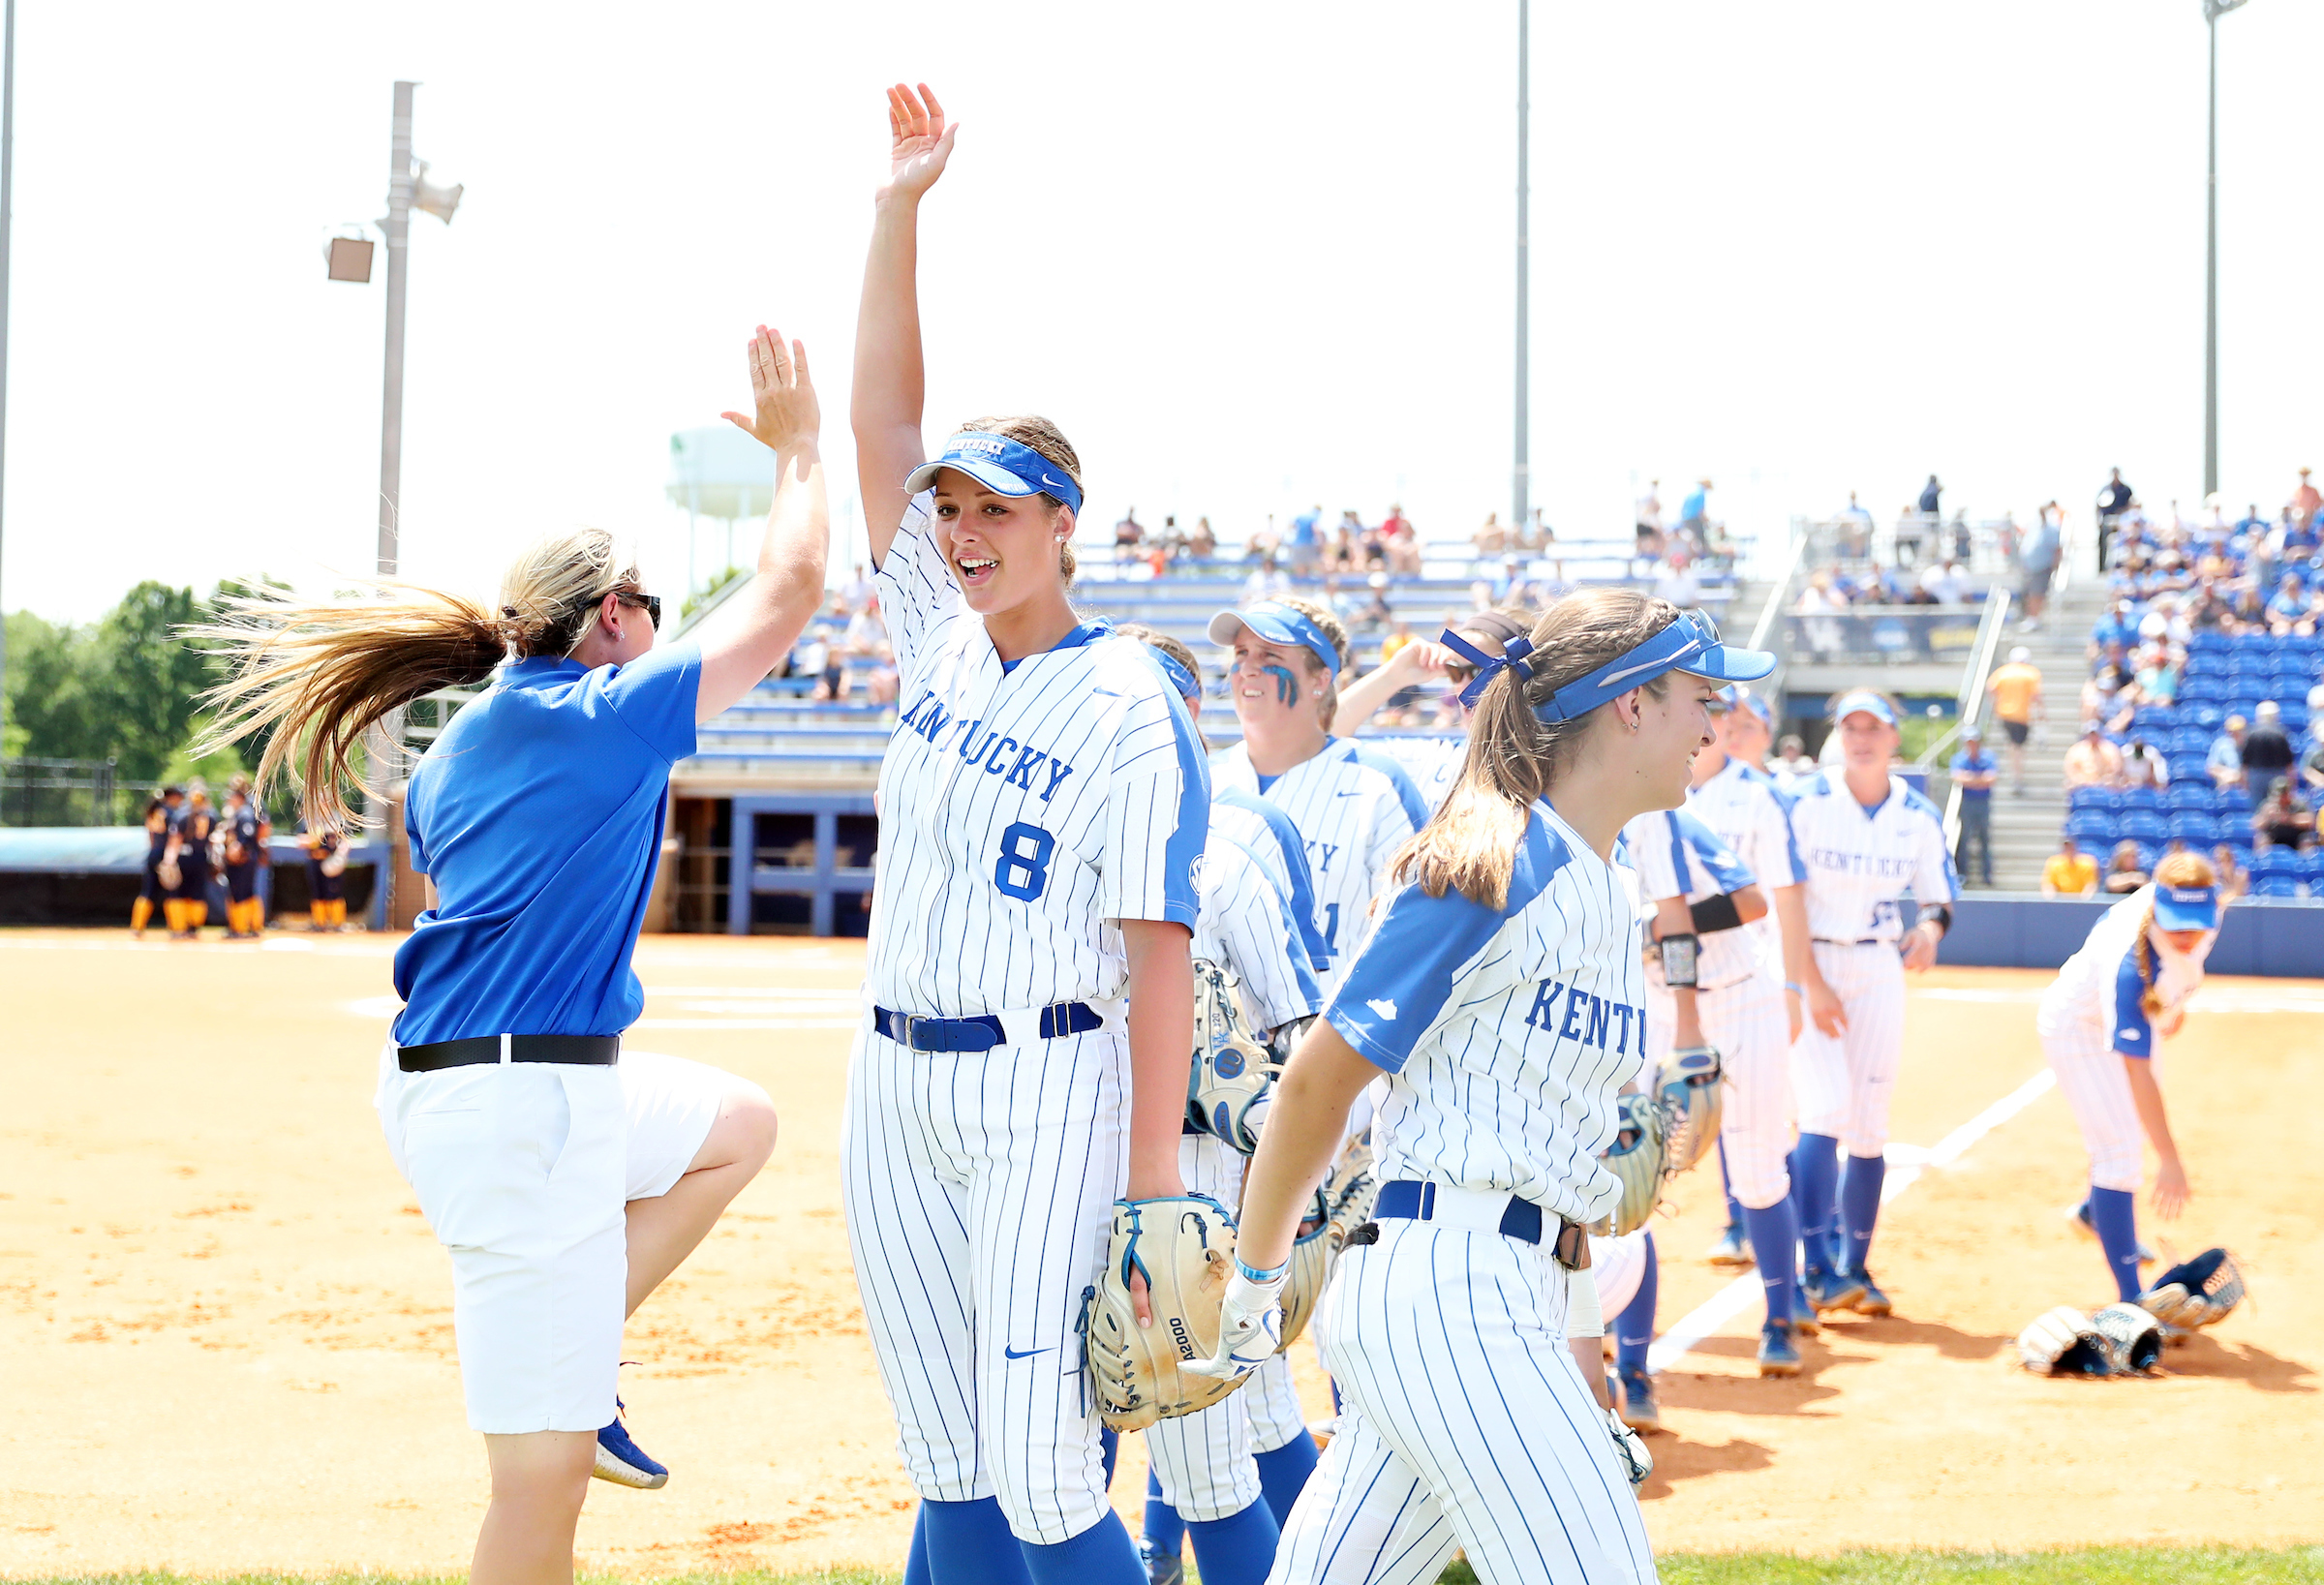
column 1867, row 840
column 565, row 1176
column 1024, row 1059
column 1502, row 995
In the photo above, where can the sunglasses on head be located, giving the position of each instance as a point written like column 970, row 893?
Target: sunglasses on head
column 651, row 604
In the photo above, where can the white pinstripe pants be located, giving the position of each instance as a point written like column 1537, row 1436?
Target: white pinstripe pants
column 979, row 1188
column 1466, row 1423
column 1844, row 1083
column 2097, row 1086
column 1746, row 1024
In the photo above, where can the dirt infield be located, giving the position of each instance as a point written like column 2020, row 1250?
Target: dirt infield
column 230, row 1345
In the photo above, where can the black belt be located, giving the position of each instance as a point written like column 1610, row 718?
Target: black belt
column 579, row 1051
column 982, row 1032
column 1868, row 941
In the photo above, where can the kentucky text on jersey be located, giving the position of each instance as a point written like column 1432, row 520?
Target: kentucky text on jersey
column 1034, row 770
column 1886, row 865
column 1590, row 1027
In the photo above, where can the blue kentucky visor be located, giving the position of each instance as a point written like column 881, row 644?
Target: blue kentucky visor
column 1690, row 645
column 2186, row 907
column 1865, row 700
column 1278, row 624
column 1002, row 466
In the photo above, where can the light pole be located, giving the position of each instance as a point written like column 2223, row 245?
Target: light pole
column 408, row 189
column 2212, row 10
column 1519, row 478
column 8, row 170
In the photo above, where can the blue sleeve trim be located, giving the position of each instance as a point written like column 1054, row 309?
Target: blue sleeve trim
column 1920, row 805
column 1295, row 866
column 1181, row 900
column 1681, row 876
column 1416, row 807
column 2133, row 1035
column 1728, row 871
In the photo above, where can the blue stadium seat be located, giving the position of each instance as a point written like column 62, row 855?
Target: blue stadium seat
column 2207, row 716
column 2148, row 719
column 2142, row 798
column 2188, row 795
column 2149, row 854
column 2095, row 798
column 2231, row 801
column 2147, row 825
column 2197, row 827
column 2191, row 740
column 2311, row 867
column 2276, row 861
column 2275, row 886
column 2206, row 640
column 2185, row 766
column 2090, row 828
column 2203, row 689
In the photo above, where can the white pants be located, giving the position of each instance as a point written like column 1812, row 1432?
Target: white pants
column 979, row 1188
column 1845, row 1082
column 1746, row 1024
column 523, row 1171
column 2098, row 1086
column 1205, row 1460
column 1618, row 1268
column 1466, row 1423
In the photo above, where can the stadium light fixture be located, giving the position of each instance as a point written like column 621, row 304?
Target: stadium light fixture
column 346, row 255
column 2212, row 10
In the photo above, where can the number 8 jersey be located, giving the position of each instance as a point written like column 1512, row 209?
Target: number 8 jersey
column 1023, row 806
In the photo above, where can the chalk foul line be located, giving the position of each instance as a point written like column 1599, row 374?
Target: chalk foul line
column 1905, row 1168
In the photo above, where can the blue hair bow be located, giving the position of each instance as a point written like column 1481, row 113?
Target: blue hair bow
column 1510, row 658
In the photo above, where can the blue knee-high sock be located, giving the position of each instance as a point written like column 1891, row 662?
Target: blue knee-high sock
column 1237, row 1550
column 1773, row 1231
column 1283, row 1474
column 1101, row 1555
column 1734, row 1206
column 1109, row 1451
column 1165, row 1531
column 1814, row 1183
column 972, row 1539
column 1634, row 1327
column 1860, row 1207
column 2114, row 1212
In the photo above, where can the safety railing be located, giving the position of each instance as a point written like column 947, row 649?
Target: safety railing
column 1968, row 706
column 1887, row 634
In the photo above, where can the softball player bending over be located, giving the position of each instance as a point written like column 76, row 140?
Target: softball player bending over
column 2100, row 1023
column 567, row 1178
column 1502, row 995
column 1023, row 1059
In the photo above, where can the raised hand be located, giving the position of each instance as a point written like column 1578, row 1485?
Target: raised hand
column 787, row 411
column 920, row 140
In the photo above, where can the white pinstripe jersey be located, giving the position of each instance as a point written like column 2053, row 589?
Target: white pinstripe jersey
column 1266, row 833
column 1862, row 861
column 1676, row 854
column 1022, row 809
column 1353, row 808
column 1247, row 926
column 1752, row 817
column 2101, row 984
column 1506, row 1032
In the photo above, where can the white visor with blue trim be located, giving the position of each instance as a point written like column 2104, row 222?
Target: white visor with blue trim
column 1002, row 466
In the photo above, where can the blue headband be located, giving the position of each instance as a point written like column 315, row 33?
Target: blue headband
column 1180, row 676
column 1511, row 658
column 1278, row 624
column 1005, row 466
column 1690, row 645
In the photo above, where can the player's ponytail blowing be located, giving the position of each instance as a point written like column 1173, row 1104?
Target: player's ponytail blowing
column 2173, row 869
column 325, row 673
column 1514, row 757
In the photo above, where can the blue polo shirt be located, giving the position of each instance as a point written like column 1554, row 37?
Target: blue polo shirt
column 538, row 814
column 1978, row 764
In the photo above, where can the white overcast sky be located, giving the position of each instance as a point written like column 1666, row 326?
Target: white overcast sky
column 1251, row 258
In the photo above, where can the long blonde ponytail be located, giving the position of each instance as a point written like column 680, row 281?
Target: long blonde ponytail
column 325, row 673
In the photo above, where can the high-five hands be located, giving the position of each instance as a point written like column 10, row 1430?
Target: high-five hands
column 920, row 140
column 784, row 396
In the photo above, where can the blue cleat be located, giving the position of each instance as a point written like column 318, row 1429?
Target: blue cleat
column 1161, row 1569
column 622, row 1462
column 1803, row 1315
column 1779, row 1356
column 1870, row 1300
column 1833, row 1291
column 1733, row 1248
column 1640, row 1411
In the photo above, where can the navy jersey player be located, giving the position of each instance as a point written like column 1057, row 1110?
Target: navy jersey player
column 1024, row 1057
column 1867, row 840
column 161, row 817
column 1500, row 993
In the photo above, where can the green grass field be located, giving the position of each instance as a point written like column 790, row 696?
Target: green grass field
column 2079, row 1566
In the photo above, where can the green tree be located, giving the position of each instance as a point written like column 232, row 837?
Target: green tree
column 53, row 712
column 148, row 678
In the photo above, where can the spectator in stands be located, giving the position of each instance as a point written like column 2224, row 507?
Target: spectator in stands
column 1649, row 546
column 2312, row 762
column 809, row 657
column 2267, row 751
column 2288, row 612
column 2015, row 689
column 2069, row 872
column 2093, row 761
column 1492, row 539
column 2114, row 499
column 2117, row 623
column 1402, row 542
column 1792, row 757
column 2040, row 566
column 2234, row 879
column 1677, row 583
column 1856, row 528
column 1975, row 772
column 2143, row 766
column 2225, row 761
column 1202, row 544
column 1695, row 517
column 1128, row 534
column 2122, row 872
column 2305, row 502
column 2283, row 818
column 2158, row 676
column 1268, row 583
column 1307, row 543
column 1932, row 499
column 1947, row 583
column 1375, row 613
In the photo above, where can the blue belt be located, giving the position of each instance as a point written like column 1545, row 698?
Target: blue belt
column 982, row 1032
column 1409, row 1198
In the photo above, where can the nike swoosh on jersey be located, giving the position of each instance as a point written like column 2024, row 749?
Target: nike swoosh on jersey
column 1026, row 1354
column 1347, row 795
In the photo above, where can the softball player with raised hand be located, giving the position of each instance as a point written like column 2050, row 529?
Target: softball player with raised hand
column 1209, row 1465
column 566, row 1177
column 1867, row 840
column 1502, row 995
column 1354, row 808
column 1024, row 1059
column 2102, row 1021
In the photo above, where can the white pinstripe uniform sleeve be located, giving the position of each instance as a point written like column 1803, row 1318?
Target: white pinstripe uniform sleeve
column 1647, row 839
column 1157, row 814
column 1253, row 927
column 1775, row 855
column 916, row 592
column 1933, row 877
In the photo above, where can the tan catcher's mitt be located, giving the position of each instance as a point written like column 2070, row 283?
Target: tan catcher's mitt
column 1185, row 1250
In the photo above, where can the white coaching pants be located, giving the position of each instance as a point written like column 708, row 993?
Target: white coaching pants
column 2098, row 1086
column 1845, row 1082
column 1746, row 1024
column 1466, row 1423
column 979, row 1188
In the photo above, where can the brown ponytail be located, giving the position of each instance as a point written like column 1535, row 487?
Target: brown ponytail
column 323, row 674
column 1469, row 846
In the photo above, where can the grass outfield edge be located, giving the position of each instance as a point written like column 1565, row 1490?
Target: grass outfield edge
column 2066, row 1566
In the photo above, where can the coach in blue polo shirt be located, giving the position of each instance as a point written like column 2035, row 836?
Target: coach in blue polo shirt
column 1975, row 772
